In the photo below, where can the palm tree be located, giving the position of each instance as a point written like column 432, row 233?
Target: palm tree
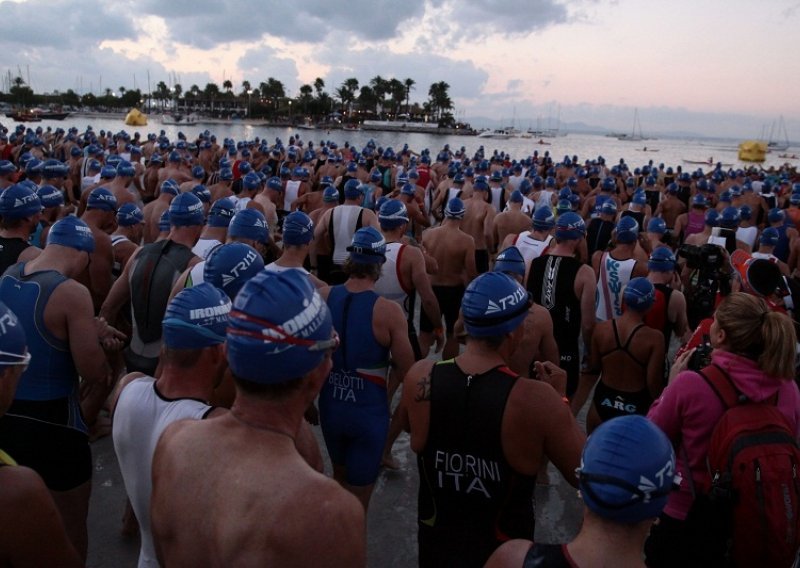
column 397, row 90
column 246, row 87
column 409, row 84
column 227, row 85
column 162, row 93
column 439, row 98
column 379, row 88
column 319, row 84
column 305, row 96
column 211, row 92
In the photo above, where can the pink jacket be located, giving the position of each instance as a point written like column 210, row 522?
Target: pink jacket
column 688, row 410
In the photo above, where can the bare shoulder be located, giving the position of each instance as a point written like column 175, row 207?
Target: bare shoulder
column 70, row 295
column 336, row 530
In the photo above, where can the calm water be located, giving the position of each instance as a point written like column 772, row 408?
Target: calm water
column 670, row 151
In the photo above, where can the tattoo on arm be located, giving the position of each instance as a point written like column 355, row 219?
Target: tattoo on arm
column 423, row 390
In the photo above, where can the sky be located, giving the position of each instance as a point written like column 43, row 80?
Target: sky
column 726, row 68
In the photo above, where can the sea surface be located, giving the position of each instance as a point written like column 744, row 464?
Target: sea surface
column 669, row 151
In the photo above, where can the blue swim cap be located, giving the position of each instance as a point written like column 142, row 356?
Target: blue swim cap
column 170, row 186
column 221, row 213
column 196, row 318
column 198, row 172
column 108, row 172
column 729, row 218
column 71, row 232
column 776, row 215
column 661, row 260
column 392, row 214
column 352, row 189
column 543, row 219
column 657, row 225
column 202, row 193
column 330, row 194
column 608, row 207
column 225, row 174
column 699, row 200
column 6, row 167
column 129, row 214
column 480, row 184
column 494, row 304
column 570, row 226
column 275, row 183
column 50, row 196
column 769, row 237
column 251, row 181
column 455, row 209
column 279, row 329
column 54, row 169
column 711, row 218
column 368, row 246
column 163, row 222
column 249, row 224
column 627, row 230
column 13, row 342
column 229, row 266
column 639, row 198
column 510, row 260
column 639, row 294
column 125, row 169
column 516, row 196
column 18, row 202
column 627, row 470
column 745, row 212
column 186, row 210
column 102, row 199
column 298, row 229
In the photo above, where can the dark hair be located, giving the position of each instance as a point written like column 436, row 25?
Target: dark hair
column 371, row 271
column 11, row 222
column 180, row 358
column 273, row 391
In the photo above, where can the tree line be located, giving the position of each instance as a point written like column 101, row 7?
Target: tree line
column 352, row 101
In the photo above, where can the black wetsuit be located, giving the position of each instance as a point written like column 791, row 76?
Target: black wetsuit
column 552, row 283
column 548, row 556
column 610, row 403
column 470, row 500
column 598, row 234
column 10, row 249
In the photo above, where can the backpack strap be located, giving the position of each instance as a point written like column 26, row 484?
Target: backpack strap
column 726, row 391
column 721, row 384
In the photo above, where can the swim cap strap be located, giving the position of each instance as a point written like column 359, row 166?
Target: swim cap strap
column 196, row 329
column 283, row 336
column 489, row 322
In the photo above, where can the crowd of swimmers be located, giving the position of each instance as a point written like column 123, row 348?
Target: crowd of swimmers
column 209, row 303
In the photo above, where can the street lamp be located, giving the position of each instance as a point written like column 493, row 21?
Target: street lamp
column 290, row 111
column 248, row 102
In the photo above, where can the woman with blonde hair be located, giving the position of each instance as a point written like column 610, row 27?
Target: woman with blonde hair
column 754, row 347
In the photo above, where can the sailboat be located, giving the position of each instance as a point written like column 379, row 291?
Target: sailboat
column 779, row 145
column 636, row 133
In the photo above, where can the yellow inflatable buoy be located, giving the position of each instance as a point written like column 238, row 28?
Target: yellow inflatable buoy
column 753, row 151
column 136, row 118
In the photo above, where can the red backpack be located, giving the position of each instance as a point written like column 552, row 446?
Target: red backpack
column 753, row 460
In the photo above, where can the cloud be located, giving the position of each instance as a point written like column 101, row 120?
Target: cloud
column 62, row 24
column 258, row 64
column 201, row 23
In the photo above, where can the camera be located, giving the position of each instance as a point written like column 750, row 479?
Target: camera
column 701, row 358
column 702, row 257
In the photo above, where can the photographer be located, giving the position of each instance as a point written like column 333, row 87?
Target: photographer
column 754, row 347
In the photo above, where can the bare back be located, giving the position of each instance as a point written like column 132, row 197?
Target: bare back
column 269, row 507
column 454, row 251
